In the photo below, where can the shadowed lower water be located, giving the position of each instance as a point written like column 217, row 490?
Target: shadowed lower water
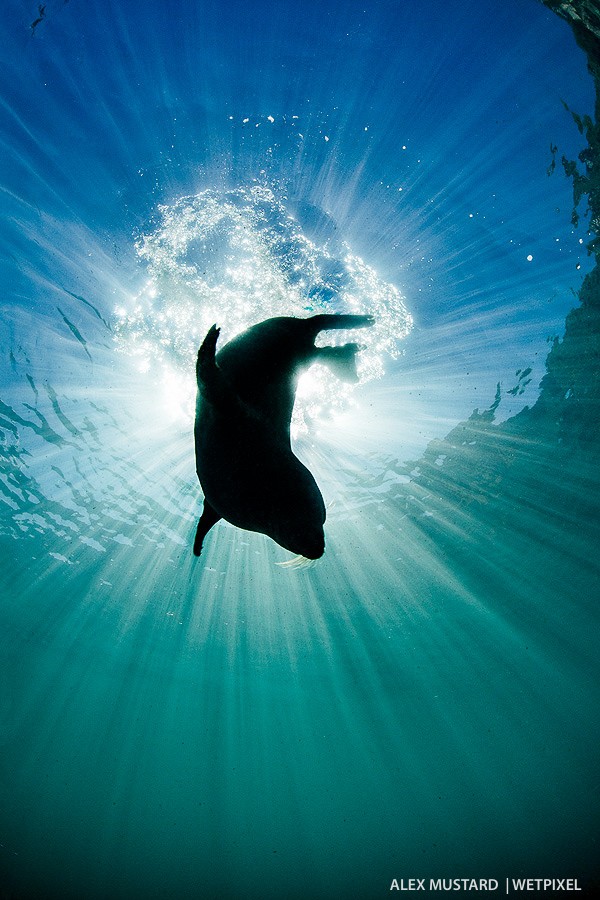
column 421, row 703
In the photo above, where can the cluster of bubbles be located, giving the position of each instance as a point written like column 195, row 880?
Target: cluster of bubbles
column 236, row 258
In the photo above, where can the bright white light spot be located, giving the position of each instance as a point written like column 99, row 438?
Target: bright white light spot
column 529, row 258
column 236, row 258
column 326, row 138
column 270, row 119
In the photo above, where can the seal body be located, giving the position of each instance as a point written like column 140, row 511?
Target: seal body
column 247, row 469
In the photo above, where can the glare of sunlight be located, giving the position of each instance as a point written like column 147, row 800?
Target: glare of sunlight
column 236, row 258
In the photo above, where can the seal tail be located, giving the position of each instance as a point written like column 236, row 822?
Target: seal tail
column 340, row 360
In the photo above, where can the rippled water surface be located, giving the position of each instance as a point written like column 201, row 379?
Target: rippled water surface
column 422, row 702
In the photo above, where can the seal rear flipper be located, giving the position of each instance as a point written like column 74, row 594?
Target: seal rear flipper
column 330, row 321
column 212, row 384
column 206, row 366
column 208, row 518
column 340, row 360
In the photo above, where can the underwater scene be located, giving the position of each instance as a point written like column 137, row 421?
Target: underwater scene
column 373, row 667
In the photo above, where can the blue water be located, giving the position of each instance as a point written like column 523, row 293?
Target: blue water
column 423, row 702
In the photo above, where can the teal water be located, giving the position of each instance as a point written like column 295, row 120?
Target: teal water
column 423, row 702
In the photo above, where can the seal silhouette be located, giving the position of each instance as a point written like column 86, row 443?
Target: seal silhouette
column 247, row 470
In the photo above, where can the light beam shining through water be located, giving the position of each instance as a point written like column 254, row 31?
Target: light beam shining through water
column 235, row 258
column 423, row 701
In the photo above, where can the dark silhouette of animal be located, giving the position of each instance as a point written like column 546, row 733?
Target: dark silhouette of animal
column 247, row 470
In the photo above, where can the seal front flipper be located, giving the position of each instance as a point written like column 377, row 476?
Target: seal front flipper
column 208, row 518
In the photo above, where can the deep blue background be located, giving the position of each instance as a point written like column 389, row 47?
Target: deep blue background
column 108, row 110
column 422, row 703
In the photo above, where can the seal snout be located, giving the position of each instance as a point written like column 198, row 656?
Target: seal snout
column 306, row 541
column 314, row 549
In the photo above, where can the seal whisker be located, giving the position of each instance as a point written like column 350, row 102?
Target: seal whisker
column 297, row 562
